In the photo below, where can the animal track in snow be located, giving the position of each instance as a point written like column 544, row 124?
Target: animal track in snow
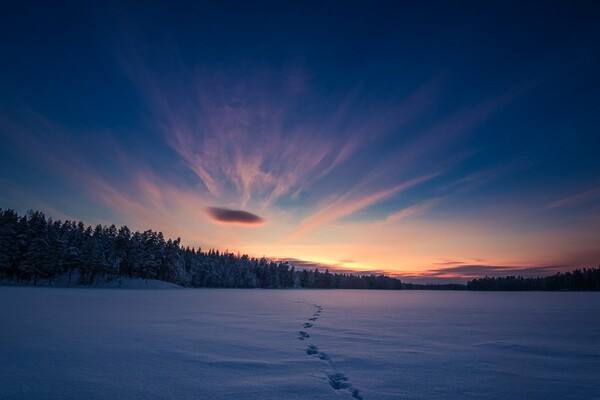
column 303, row 335
column 312, row 350
column 337, row 380
column 356, row 394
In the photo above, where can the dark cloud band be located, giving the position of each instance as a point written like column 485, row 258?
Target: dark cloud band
column 471, row 271
column 229, row 216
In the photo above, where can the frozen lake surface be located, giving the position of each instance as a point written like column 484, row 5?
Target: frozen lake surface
column 297, row 344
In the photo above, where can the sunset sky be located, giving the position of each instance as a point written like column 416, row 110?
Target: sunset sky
column 421, row 140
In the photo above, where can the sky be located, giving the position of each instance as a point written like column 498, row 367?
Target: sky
column 432, row 141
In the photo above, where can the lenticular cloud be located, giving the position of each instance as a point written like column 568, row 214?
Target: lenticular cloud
column 228, row 216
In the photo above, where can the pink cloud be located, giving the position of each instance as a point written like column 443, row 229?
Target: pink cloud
column 136, row 195
column 245, row 141
column 348, row 204
column 577, row 199
column 412, row 211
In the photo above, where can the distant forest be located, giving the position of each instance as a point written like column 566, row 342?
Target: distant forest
column 580, row 279
column 37, row 249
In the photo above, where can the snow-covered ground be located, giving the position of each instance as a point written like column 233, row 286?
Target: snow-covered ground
column 297, row 344
column 63, row 281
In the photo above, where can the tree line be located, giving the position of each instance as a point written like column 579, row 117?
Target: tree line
column 577, row 280
column 37, row 249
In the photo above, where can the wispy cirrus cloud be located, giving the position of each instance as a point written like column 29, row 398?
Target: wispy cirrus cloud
column 259, row 138
column 130, row 194
column 349, row 204
column 412, row 211
column 484, row 176
column 436, row 138
column 576, row 199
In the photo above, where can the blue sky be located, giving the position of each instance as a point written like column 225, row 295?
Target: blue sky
column 427, row 140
